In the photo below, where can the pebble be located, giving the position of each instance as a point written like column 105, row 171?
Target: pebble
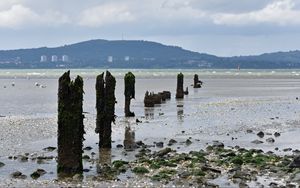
column 270, row 140
column 260, row 134
column 257, row 142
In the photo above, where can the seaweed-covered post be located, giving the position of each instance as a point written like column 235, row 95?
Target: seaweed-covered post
column 197, row 82
column 129, row 93
column 70, row 125
column 105, row 105
column 179, row 91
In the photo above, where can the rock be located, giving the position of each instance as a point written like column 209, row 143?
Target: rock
column 276, row 134
column 296, row 152
column 139, row 143
column 18, row 174
column 270, row 140
column 290, row 185
column 243, row 185
column 138, row 121
column 159, row 144
column 249, row 131
column 273, row 184
column 184, row 174
column 276, row 149
column 88, row 148
column 207, row 168
column 257, row 142
column 86, row 170
column 295, row 163
column 35, row 175
column 23, row 158
column 86, row 157
column 180, row 105
column 260, row 134
column 217, row 144
column 188, row 142
column 287, row 149
column 50, row 148
column 163, row 152
column 119, row 146
column 1, row 164
column 171, row 142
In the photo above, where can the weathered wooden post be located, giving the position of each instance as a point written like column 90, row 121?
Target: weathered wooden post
column 197, row 82
column 129, row 84
column 105, row 105
column 70, row 125
column 179, row 91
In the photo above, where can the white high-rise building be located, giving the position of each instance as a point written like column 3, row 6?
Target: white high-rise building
column 126, row 58
column 65, row 58
column 110, row 59
column 43, row 58
column 54, row 58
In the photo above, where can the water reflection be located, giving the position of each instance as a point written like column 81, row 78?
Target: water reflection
column 129, row 139
column 105, row 156
column 180, row 112
column 149, row 113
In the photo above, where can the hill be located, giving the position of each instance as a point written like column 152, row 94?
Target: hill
column 136, row 54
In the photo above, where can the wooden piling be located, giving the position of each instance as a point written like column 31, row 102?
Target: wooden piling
column 129, row 84
column 70, row 125
column 179, row 90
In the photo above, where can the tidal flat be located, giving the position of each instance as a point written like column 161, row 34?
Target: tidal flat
column 212, row 137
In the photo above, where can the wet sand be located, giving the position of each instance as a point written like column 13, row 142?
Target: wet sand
column 224, row 109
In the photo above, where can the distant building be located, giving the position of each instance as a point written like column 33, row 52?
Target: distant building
column 43, row 58
column 54, row 58
column 110, row 59
column 65, row 58
column 126, row 58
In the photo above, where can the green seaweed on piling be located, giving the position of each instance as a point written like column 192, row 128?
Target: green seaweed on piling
column 129, row 92
column 70, row 125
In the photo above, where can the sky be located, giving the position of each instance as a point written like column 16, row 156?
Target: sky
column 219, row 27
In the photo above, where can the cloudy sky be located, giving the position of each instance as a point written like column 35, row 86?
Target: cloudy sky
column 220, row 27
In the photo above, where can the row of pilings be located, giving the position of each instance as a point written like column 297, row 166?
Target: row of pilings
column 70, row 114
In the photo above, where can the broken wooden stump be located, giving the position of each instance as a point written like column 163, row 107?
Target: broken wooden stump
column 129, row 93
column 165, row 95
column 186, row 92
column 151, row 99
column 197, row 82
column 70, row 125
column 105, row 105
column 179, row 90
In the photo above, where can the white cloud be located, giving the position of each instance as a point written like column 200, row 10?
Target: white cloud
column 18, row 16
column 106, row 14
column 280, row 12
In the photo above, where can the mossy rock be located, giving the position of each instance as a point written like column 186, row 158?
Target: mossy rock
column 140, row 170
column 237, row 160
column 119, row 163
column 35, row 175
